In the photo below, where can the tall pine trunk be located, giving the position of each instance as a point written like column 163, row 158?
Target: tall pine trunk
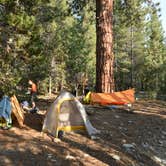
column 50, row 85
column 104, row 46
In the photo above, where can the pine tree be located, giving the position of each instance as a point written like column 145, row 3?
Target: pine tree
column 154, row 57
column 104, row 46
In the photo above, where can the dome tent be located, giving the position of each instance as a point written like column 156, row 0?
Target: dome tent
column 67, row 114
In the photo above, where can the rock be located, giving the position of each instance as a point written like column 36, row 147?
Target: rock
column 124, row 141
column 151, row 148
column 160, row 142
column 125, row 129
column 94, row 137
column 130, row 121
column 69, row 157
column 145, row 145
column 116, row 157
column 106, row 123
column 163, row 161
column 120, row 128
column 56, row 140
column 117, row 117
column 53, row 160
column 129, row 105
column 164, row 133
column 86, row 155
column 90, row 111
column 49, row 156
column 128, row 146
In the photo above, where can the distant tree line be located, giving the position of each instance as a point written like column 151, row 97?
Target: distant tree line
column 52, row 42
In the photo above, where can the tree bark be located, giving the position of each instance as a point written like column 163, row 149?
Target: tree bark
column 50, row 85
column 104, row 46
column 132, row 60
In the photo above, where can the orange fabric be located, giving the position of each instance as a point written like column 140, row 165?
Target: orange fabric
column 116, row 98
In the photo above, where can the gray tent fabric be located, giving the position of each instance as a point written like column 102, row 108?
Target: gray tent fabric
column 67, row 111
column 5, row 109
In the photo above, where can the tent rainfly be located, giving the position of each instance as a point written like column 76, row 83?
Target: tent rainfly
column 67, row 114
column 115, row 98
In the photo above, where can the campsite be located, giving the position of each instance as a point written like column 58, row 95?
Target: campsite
column 82, row 83
column 143, row 131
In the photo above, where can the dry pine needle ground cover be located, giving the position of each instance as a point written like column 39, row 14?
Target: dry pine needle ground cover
column 135, row 138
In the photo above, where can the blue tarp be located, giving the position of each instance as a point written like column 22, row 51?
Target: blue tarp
column 5, row 109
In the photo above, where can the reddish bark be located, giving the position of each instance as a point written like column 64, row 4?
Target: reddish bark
column 104, row 46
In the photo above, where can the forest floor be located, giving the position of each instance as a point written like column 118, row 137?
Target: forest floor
column 136, row 138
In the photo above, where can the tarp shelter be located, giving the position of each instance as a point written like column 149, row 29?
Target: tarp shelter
column 17, row 110
column 116, row 98
column 67, row 114
column 5, row 110
column 9, row 107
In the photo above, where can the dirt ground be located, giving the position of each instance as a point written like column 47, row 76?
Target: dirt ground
column 127, row 138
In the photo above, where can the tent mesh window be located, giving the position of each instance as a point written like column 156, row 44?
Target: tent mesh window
column 69, row 114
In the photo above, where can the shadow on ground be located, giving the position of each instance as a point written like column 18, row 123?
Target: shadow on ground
column 144, row 129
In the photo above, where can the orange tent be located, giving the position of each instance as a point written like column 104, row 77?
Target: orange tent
column 116, row 98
